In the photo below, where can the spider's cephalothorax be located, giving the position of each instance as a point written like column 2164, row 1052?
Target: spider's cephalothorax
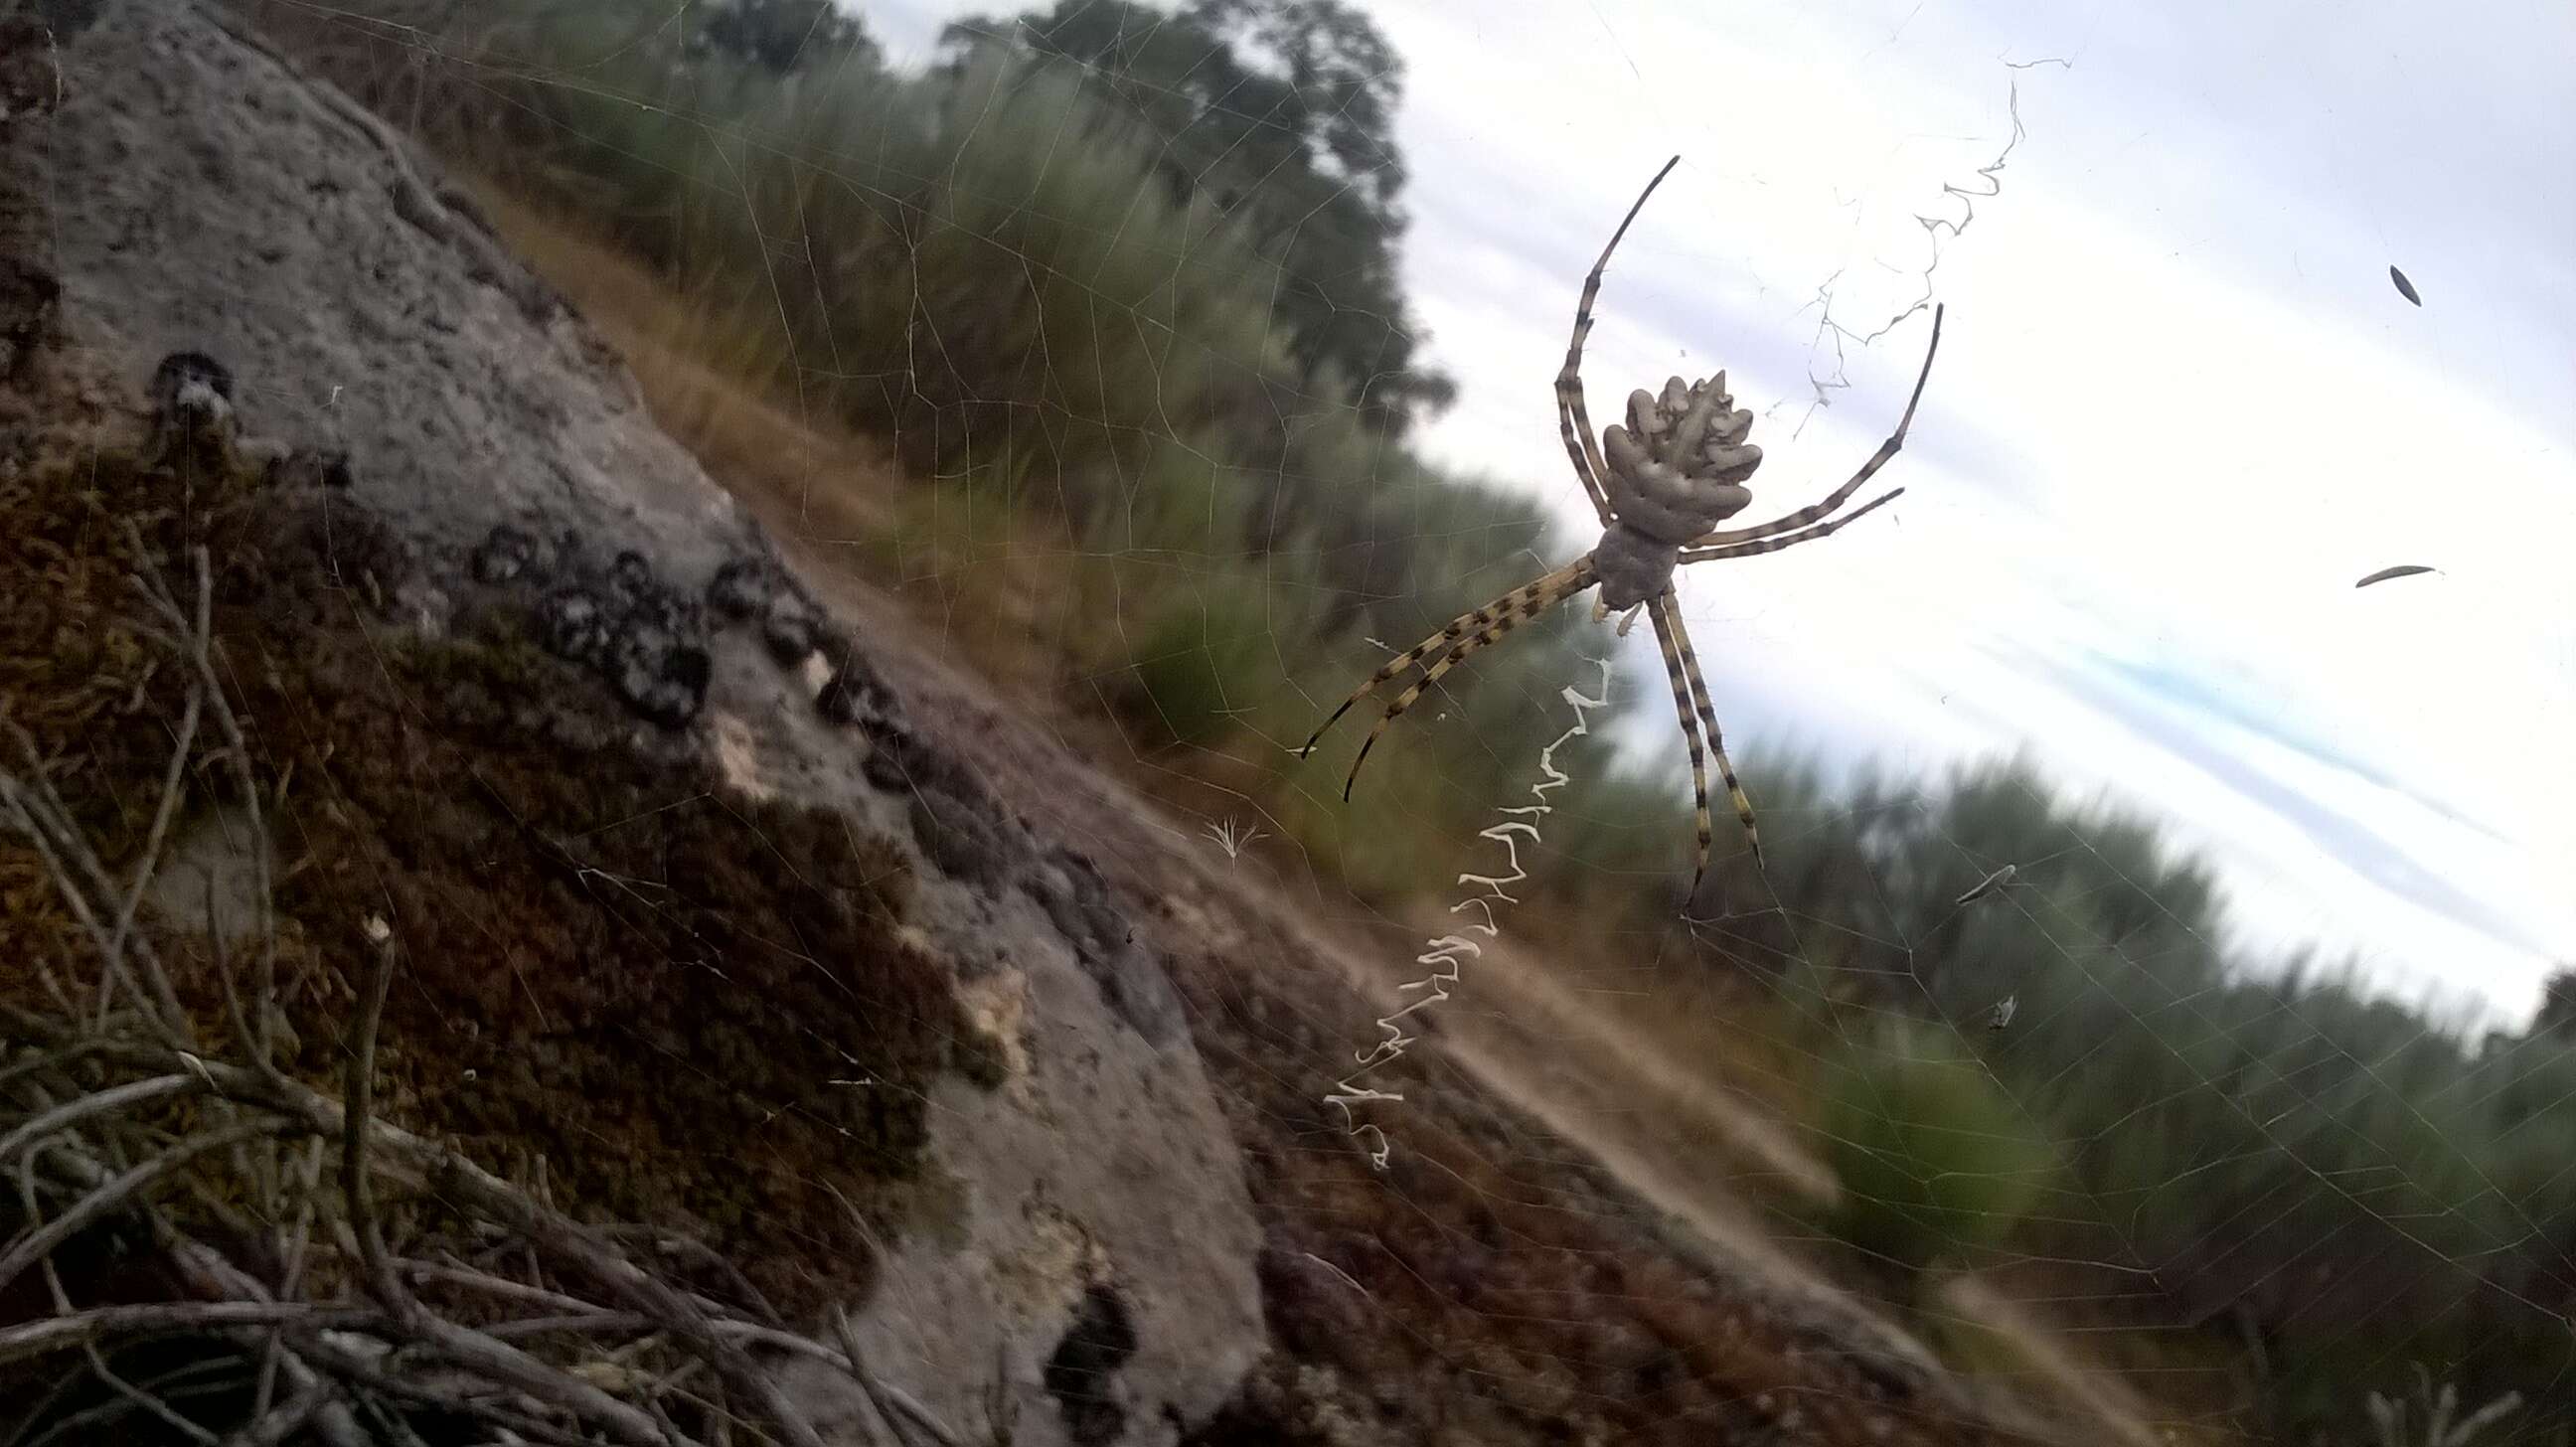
column 1676, row 470
column 1661, row 485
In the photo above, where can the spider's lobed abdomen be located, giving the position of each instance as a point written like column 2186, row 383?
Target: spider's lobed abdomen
column 1678, row 468
column 1696, row 429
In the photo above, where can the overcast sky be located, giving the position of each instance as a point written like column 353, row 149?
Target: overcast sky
column 2179, row 406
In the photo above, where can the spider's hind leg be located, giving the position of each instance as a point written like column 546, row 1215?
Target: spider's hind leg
column 1682, row 701
column 1699, row 719
column 1465, row 634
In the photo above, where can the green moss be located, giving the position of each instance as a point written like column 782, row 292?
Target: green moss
column 694, row 1008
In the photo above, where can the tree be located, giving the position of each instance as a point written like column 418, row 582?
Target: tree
column 1282, row 113
column 783, row 36
column 2557, row 1017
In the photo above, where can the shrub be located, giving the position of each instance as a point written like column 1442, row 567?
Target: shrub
column 1203, row 658
column 1935, row 1163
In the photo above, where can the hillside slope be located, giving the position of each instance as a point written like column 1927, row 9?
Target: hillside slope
column 1115, row 1185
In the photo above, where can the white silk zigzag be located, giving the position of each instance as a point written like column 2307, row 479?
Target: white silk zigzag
column 1444, row 954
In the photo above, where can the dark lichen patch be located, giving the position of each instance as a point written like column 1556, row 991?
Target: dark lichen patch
column 1082, row 1373
column 696, row 1010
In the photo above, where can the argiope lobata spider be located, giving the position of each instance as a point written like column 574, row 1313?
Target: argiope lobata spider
column 1661, row 485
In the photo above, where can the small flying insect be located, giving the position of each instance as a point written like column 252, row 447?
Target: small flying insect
column 1988, row 885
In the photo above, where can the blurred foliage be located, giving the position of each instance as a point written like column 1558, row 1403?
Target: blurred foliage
column 784, row 35
column 1196, row 650
column 1282, row 114
column 1936, row 1165
column 2262, row 1147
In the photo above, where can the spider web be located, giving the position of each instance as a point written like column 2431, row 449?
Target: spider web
column 2130, row 1034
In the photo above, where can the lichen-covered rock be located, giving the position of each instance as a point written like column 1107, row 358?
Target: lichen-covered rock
column 573, row 624
column 504, row 554
column 791, row 634
column 741, row 590
column 205, row 198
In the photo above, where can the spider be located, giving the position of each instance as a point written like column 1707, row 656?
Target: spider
column 1661, row 484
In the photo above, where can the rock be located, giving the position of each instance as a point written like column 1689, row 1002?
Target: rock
column 503, row 555
column 1087, row 1212
column 313, row 467
column 167, row 238
column 573, row 624
column 1082, row 1374
column 741, row 591
column 192, row 409
column 665, row 682
column 791, row 634
column 1138, row 986
column 855, row 693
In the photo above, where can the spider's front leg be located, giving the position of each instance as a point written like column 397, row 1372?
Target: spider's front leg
column 1834, row 500
column 1573, row 421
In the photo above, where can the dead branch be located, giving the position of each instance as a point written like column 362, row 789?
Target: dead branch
column 360, row 1096
column 39, row 1242
column 52, row 1334
column 38, row 811
column 269, row 1428
column 138, row 1399
column 173, row 790
column 191, row 635
column 72, row 1112
column 887, row 1425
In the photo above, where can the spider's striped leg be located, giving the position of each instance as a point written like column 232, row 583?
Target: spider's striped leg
column 1665, row 627
column 1500, row 617
column 1842, row 494
column 1573, row 422
column 1669, row 606
column 1698, row 554
column 1462, row 626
